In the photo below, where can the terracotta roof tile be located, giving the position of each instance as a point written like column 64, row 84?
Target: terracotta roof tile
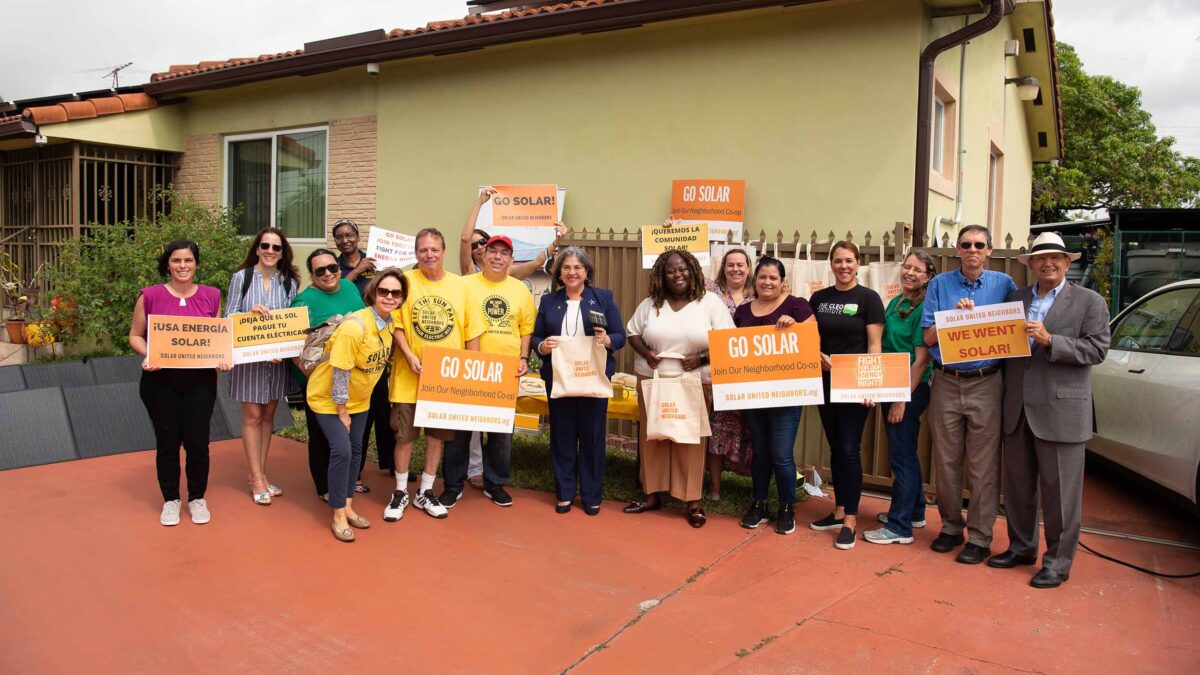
column 138, row 101
column 207, row 66
column 79, row 110
column 109, row 105
column 47, row 114
column 93, row 107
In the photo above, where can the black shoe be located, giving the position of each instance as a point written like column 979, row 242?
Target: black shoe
column 756, row 515
column 449, row 498
column 1048, row 578
column 786, row 522
column 562, row 508
column 946, row 542
column 845, row 539
column 1009, row 560
column 498, row 496
column 591, row 510
column 827, row 523
column 973, row 554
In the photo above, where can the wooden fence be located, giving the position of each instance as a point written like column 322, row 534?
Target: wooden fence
column 618, row 261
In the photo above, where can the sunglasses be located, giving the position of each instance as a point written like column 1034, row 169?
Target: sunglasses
column 478, row 243
column 966, row 245
column 331, row 268
column 397, row 293
column 264, row 246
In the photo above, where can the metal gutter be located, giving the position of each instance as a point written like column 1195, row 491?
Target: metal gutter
column 452, row 40
column 996, row 11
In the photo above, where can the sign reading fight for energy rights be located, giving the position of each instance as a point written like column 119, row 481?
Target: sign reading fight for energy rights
column 524, row 213
column 391, row 249
column 720, row 203
column 988, row 332
column 880, row 377
column 764, row 367
column 657, row 239
column 188, row 341
column 278, row 335
column 466, row 390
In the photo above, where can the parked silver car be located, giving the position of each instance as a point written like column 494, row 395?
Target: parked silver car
column 1147, row 391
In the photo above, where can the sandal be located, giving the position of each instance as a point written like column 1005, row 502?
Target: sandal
column 696, row 517
column 275, row 492
column 261, row 498
column 342, row 534
column 358, row 522
column 643, row 505
column 361, row 487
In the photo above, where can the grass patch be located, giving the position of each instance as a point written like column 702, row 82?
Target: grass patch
column 531, row 469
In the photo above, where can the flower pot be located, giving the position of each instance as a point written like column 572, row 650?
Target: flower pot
column 38, row 334
column 16, row 331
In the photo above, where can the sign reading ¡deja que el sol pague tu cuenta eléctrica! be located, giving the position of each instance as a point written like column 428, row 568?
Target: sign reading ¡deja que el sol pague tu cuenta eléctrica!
column 987, row 332
column 764, row 367
column 467, row 390
column 206, row 342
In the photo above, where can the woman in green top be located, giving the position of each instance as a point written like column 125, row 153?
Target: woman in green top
column 902, row 334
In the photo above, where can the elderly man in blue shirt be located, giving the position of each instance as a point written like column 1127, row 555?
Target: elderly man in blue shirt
column 965, row 404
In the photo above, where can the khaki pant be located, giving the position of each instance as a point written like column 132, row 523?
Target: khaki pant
column 964, row 418
column 667, row 466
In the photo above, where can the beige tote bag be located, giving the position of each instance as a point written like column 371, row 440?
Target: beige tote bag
column 675, row 408
column 884, row 277
column 578, row 365
column 809, row 276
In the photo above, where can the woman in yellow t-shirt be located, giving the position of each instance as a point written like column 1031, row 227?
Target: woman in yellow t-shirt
column 339, row 390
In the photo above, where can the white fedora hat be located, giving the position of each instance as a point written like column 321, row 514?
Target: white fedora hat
column 1048, row 242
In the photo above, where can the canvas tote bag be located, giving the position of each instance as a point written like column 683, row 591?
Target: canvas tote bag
column 675, row 408
column 809, row 276
column 884, row 277
column 578, row 364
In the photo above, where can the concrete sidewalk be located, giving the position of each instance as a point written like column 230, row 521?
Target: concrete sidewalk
column 90, row 580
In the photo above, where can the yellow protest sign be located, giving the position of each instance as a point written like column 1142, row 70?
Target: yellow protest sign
column 657, row 239
column 988, row 332
column 278, row 335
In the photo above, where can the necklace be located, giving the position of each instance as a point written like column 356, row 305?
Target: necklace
column 574, row 324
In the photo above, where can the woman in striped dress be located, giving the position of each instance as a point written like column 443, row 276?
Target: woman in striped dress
column 267, row 280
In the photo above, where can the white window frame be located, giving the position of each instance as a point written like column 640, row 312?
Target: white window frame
column 939, row 136
column 274, row 135
column 993, row 190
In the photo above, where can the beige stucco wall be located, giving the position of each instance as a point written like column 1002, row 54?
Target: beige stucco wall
column 155, row 129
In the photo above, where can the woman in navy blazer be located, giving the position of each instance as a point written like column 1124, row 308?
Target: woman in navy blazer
column 577, row 425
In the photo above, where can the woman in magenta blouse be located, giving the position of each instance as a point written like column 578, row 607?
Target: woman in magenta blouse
column 179, row 400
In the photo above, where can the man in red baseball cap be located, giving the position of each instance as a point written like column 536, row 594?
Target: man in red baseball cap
column 509, row 315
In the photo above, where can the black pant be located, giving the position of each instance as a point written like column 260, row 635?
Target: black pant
column 180, row 403
column 318, row 452
column 843, row 424
column 578, row 441
column 380, row 417
column 497, row 456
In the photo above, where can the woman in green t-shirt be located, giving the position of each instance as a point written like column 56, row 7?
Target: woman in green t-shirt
column 902, row 334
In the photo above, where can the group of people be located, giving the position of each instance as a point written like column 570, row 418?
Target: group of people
column 387, row 318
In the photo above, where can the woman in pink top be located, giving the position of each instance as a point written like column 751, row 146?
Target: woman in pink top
column 179, row 400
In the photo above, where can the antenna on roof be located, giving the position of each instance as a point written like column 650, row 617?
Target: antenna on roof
column 115, row 74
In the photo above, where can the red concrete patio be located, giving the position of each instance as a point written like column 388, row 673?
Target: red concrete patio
column 89, row 580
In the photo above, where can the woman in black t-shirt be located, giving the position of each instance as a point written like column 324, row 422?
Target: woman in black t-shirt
column 850, row 320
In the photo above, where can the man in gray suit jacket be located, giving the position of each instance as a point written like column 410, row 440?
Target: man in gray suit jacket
column 1048, row 412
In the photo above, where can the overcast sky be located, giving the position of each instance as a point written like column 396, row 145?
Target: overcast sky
column 60, row 46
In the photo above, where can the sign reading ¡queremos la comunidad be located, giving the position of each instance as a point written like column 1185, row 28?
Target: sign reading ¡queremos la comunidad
column 657, row 239
column 764, row 367
column 467, row 390
column 988, row 332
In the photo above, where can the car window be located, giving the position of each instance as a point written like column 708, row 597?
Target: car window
column 1151, row 325
column 1186, row 338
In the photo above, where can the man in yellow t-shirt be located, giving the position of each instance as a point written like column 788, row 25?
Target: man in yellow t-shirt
column 436, row 312
column 507, row 307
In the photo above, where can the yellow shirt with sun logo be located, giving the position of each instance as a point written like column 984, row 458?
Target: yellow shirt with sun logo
column 507, row 308
column 435, row 313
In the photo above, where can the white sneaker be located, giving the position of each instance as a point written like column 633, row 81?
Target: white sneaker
column 395, row 508
column 199, row 510
column 428, row 502
column 170, row 513
column 883, row 518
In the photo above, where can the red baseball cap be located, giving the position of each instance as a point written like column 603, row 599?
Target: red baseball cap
column 500, row 239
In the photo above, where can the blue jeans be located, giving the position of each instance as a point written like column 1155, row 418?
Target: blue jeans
column 773, row 436
column 497, row 456
column 345, row 454
column 908, row 495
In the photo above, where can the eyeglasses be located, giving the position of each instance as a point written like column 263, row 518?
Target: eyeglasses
column 331, row 268
column 345, row 237
column 264, row 246
column 914, row 269
column 478, row 243
column 966, row 245
column 397, row 293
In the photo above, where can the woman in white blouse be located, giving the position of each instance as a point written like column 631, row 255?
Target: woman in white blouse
column 674, row 319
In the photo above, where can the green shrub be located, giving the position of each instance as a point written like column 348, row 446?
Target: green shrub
column 101, row 272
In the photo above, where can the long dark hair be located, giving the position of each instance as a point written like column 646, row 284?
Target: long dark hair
column 286, row 267
column 658, row 278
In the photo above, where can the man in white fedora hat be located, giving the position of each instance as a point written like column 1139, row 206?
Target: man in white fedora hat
column 1048, row 412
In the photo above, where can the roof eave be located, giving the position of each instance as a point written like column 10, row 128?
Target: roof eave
column 452, row 40
column 17, row 129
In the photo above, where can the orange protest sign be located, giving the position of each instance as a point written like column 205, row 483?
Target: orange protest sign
column 988, row 332
column 879, row 377
column 720, row 203
column 278, row 335
column 524, row 205
column 460, row 389
column 763, row 367
column 188, row 341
